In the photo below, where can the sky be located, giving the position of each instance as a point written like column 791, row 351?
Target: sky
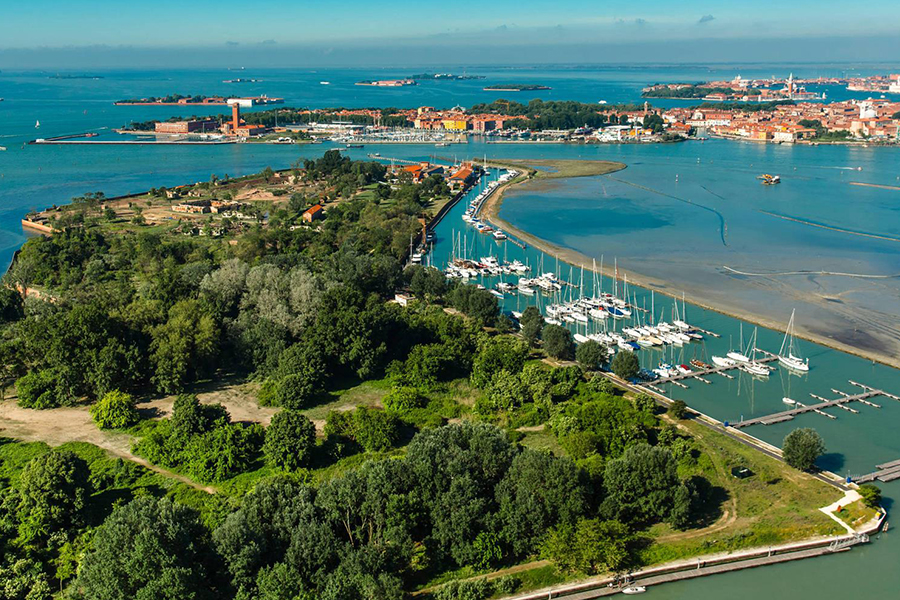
column 39, row 33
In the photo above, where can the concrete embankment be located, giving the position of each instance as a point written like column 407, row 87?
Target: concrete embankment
column 710, row 565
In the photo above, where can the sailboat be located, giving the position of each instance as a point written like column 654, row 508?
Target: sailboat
column 752, row 366
column 37, row 125
column 736, row 355
column 786, row 355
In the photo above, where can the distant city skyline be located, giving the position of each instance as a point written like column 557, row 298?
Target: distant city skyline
column 41, row 33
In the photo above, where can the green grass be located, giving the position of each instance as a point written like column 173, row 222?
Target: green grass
column 350, row 395
column 542, row 440
column 856, row 514
column 537, row 578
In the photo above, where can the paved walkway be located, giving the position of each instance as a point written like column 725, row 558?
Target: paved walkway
column 849, row 498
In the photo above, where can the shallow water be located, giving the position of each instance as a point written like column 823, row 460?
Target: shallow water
column 646, row 230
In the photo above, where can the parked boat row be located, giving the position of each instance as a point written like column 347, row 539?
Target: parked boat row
column 471, row 215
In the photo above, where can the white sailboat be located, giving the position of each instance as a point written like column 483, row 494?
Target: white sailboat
column 752, row 366
column 37, row 124
column 786, row 355
column 737, row 355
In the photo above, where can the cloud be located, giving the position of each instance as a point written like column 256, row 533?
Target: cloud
column 705, row 19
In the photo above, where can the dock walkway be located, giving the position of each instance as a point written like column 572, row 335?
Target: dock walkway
column 845, row 398
column 787, row 415
column 712, row 370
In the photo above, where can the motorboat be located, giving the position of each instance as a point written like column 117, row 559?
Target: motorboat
column 790, row 401
column 634, row 589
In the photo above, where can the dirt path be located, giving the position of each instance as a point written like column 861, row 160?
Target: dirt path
column 493, row 575
column 73, row 424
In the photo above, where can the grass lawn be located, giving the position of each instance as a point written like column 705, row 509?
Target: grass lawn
column 856, row 514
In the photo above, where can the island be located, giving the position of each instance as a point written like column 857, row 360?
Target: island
column 387, row 82
column 74, row 76
column 735, row 90
column 445, row 76
column 199, row 100
column 516, row 87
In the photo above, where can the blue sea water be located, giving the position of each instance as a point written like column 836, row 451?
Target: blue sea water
column 676, row 215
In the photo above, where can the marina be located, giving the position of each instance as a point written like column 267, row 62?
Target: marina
column 854, row 444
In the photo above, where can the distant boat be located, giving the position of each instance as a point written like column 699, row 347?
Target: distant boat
column 37, row 124
column 635, row 589
column 324, row 83
column 787, row 400
column 786, row 355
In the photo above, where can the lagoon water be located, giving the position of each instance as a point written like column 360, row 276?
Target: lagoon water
column 639, row 215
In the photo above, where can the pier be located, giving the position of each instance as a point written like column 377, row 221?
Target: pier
column 676, row 379
column 845, row 398
column 888, row 471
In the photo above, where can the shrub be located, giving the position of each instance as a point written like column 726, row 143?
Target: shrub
column 115, row 411
column 646, row 403
column 871, row 495
column 403, row 398
column 290, row 438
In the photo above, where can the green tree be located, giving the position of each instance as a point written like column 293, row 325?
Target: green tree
column 147, row 549
column 375, row 430
column 590, row 355
column 625, row 365
column 116, row 410
column 53, row 489
column 591, row 546
column 185, row 347
column 645, row 403
column 641, row 485
column 871, row 495
column 532, row 323
column 802, row 447
column 500, row 353
column 538, row 492
column 290, row 438
column 558, row 342
column 678, row 409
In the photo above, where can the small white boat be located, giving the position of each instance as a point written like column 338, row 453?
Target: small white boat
column 790, row 401
column 37, row 125
column 324, row 83
column 634, row 589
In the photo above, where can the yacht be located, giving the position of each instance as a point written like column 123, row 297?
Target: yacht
column 786, row 355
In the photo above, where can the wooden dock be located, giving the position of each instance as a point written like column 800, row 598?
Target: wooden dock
column 845, row 398
column 885, row 472
column 675, row 379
